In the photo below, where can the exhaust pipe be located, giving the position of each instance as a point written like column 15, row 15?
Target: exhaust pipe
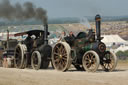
column 98, row 22
column 46, row 34
column 7, row 39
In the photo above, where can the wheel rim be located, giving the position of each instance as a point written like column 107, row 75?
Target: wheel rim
column 18, row 57
column 90, row 61
column 109, row 62
column 36, row 60
column 61, row 59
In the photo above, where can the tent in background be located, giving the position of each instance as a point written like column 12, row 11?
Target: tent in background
column 109, row 40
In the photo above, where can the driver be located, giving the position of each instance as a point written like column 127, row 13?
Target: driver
column 71, row 35
column 29, row 42
column 72, row 38
column 63, row 34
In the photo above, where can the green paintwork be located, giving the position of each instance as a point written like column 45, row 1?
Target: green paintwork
column 87, row 47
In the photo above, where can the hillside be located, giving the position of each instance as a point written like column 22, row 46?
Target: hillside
column 116, row 27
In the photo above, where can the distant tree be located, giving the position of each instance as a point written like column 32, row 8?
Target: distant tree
column 126, row 21
column 122, row 55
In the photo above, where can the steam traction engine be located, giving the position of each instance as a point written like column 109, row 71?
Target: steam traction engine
column 35, row 52
column 85, row 52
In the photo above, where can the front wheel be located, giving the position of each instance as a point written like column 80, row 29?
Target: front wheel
column 90, row 61
column 109, row 62
column 36, row 60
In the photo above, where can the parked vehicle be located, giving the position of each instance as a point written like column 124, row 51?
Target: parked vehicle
column 7, row 51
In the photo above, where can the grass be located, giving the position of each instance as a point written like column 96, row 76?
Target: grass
column 123, row 61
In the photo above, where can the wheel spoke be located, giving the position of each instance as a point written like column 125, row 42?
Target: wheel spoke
column 58, row 49
column 59, row 65
column 61, row 49
column 64, row 58
column 91, row 56
column 88, row 56
column 110, row 65
column 62, row 62
column 56, row 53
column 65, row 54
column 57, row 60
column 94, row 65
column 89, row 65
column 105, row 65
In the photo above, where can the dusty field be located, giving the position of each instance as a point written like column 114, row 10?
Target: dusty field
column 13, row 76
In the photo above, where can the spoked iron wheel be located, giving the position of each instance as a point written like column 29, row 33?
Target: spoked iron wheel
column 61, row 56
column 91, row 61
column 36, row 60
column 109, row 62
column 19, row 56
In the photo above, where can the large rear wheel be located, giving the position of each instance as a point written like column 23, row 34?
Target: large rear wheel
column 61, row 58
column 109, row 62
column 91, row 61
column 19, row 56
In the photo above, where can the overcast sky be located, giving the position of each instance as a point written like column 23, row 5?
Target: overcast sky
column 80, row 8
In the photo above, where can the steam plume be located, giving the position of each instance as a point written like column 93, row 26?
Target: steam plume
column 22, row 12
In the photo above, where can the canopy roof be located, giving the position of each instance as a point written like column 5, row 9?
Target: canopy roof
column 31, row 32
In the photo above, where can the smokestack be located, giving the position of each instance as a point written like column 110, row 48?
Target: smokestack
column 45, row 33
column 98, row 22
column 7, row 39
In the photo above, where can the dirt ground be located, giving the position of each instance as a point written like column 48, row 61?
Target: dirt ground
column 13, row 76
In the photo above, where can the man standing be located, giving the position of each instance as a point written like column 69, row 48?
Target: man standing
column 63, row 34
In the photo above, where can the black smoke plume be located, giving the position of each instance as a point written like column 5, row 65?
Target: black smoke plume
column 22, row 12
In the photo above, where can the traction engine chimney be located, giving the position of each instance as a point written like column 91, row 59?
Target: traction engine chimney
column 46, row 34
column 98, row 22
